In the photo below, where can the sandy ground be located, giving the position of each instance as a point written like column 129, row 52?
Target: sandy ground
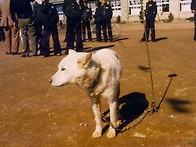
column 33, row 113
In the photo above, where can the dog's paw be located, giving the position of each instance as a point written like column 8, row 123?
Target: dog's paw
column 111, row 133
column 97, row 134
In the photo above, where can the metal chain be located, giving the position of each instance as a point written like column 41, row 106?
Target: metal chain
column 152, row 108
column 145, row 113
column 149, row 59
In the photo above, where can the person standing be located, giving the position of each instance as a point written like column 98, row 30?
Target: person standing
column 38, row 26
column 193, row 9
column 73, row 12
column 22, row 16
column 86, row 18
column 150, row 14
column 97, row 21
column 106, row 13
column 48, row 16
column 11, row 32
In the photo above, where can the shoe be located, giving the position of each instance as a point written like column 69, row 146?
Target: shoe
column 34, row 55
column 14, row 53
column 25, row 55
column 143, row 40
column 58, row 54
column 154, row 40
column 46, row 56
column 8, row 53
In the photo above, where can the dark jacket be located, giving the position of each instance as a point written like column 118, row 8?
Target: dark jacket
column 72, row 8
column 47, row 15
column 35, row 9
column 193, row 5
column 151, row 10
column 106, row 11
column 98, row 15
column 21, row 8
column 87, row 14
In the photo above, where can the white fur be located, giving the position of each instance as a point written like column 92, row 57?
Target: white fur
column 99, row 74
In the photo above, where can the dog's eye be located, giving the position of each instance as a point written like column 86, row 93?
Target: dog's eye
column 62, row 69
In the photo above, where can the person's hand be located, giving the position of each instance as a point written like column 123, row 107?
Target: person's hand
column 193, row 11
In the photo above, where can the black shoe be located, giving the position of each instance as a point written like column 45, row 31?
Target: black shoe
column 8, row 53
column 44, row 56
column 25, row 55
column 154, row 40
column 15, row 53
column 58, row 54
column 143, row 40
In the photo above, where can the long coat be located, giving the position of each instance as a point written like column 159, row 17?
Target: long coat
column 6, row 20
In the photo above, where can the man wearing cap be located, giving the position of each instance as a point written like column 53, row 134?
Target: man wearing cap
column 73, row 11
column 86, row 18
column 150, row 14
column 106, row 13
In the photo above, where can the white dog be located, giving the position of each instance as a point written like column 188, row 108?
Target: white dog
column 99, row 74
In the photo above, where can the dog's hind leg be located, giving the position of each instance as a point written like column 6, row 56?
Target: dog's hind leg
column 97, row 112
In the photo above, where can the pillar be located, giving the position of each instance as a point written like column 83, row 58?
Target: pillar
column 174, row 8
column 124, row 10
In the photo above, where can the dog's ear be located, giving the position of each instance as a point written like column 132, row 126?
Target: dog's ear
column 85, row 61
column 71, row 51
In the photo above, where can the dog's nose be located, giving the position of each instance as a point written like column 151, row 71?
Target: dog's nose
column 50, row 80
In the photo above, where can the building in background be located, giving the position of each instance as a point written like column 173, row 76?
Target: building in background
column 129, row 10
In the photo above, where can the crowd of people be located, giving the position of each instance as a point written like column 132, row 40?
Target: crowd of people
column 37, row 20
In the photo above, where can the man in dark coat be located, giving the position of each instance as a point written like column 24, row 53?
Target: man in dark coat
column 86, row 18
column 193, row 9
column 97, row 21
column 106, row 12
column 150, row 14
column 38, row 25
column 73, row 12
column 23, row 10
column 48, row 16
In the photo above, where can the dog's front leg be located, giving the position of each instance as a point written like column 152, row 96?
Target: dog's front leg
column 97, row 112
column 98, row 129
column 113, row 119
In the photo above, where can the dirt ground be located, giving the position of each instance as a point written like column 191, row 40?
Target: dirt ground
column 35, row 114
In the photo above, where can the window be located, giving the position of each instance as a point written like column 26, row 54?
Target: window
column 185, row 5
column 162, row 6
column 134, row 7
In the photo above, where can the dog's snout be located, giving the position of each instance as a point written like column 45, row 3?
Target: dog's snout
column 50, row 80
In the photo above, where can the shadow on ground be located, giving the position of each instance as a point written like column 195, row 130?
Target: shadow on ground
column 98, row 48
column 180, row 106
column 161, row 38
column 132, row 107
column 120, row 39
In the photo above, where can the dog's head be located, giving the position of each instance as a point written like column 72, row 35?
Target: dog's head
column 71, row 68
